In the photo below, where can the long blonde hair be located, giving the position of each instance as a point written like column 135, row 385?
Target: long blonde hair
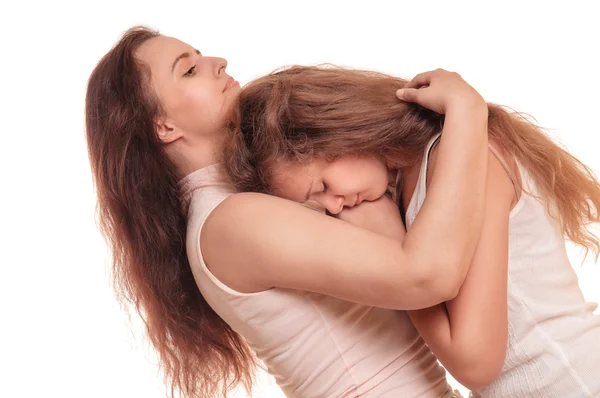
column 301, row 112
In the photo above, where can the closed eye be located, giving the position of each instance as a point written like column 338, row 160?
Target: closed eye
column 190, row 72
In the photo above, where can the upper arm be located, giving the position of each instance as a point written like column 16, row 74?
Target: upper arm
column 253, row 242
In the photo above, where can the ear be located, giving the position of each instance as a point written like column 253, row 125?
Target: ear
column 167, row 131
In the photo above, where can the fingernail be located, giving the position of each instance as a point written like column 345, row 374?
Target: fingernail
column 400, row 92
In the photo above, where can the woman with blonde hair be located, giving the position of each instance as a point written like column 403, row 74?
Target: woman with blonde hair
column 519, row 327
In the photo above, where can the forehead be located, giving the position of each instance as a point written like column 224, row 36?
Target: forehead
column 292, row 180
column 160, row 52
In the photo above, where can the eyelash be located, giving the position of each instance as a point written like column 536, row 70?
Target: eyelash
column 190, row 71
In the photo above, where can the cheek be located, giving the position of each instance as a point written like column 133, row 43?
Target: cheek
column 203, row 111
column 374, row 178
column 381, row 177
column 346, row 181
column 382, row 181
column 204, row 103
column 186, row 108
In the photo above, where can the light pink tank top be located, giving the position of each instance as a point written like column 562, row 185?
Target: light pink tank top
column 314, row 345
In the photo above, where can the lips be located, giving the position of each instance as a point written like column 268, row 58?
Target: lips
column 230, row 82
column 358, row 200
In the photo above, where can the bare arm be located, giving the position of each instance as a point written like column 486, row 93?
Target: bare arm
column 254, row 242
column 469, row 333
column 434, row 239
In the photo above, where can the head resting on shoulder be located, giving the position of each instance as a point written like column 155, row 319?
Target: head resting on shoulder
column 325, row 133
column 297, row 124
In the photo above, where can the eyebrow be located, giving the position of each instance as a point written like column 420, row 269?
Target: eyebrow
column 180, row 57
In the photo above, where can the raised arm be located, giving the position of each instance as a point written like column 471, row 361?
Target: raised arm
column 457, row 186
column 254, row 242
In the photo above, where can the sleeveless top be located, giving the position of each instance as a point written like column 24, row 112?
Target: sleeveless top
column 553, row 336
column 314, row 345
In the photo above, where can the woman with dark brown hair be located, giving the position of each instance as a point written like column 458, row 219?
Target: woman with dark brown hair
column 220, row 277
column 520, row 326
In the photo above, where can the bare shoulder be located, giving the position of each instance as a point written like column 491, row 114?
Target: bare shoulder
column 242, row 235
column 247, row 209
column 227, row 230
column 508, row 159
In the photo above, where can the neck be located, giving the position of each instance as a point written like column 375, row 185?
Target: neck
column 191, row 155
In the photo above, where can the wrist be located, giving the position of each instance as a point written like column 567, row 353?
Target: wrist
column 472, row 109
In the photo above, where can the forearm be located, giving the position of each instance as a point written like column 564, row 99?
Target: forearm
column 469, row 334
column 436, row 242
column 479, row 319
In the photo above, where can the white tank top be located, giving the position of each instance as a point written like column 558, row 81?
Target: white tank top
column 314, row 345
column 553, row 336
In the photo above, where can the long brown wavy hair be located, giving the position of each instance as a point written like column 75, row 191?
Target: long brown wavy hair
column 301, row 112
column 143, row 219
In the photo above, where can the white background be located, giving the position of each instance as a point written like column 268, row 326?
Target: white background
column 61, row 332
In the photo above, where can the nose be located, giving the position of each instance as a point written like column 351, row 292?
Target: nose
column 333, row 203
column 220, row 65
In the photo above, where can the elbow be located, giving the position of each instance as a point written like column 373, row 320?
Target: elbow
column 476, row 379
column 443, row 280
column 450, row 287
column 440, row 273
column 479, row 372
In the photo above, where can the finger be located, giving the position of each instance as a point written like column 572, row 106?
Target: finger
column 409, row 94
column 422, row 79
